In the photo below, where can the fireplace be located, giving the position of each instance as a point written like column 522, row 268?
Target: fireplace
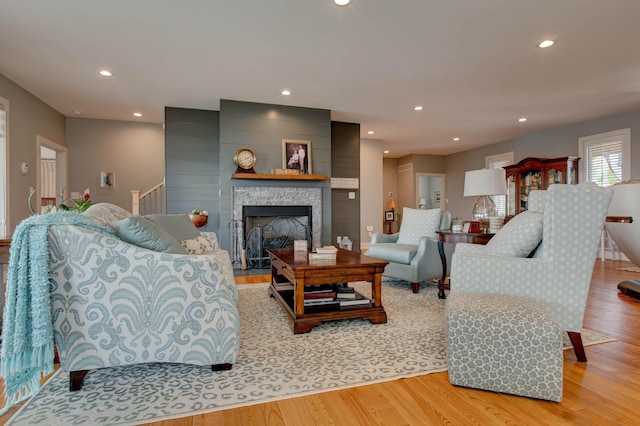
column 304, row 206
column 268, row 227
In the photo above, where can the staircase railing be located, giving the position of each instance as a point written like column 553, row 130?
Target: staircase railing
column 152, row 201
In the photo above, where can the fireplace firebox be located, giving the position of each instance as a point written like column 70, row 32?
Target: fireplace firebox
column 271, row 226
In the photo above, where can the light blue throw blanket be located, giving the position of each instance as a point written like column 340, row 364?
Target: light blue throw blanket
column 27, row 335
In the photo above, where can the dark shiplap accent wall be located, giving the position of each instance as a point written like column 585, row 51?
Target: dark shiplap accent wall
column 192, row 152
column 261, row 127
column 345, row 163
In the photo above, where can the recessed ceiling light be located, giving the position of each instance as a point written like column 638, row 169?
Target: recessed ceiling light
column 137, row 114
column 341, row 2
column 370, row 132
column 456, row 139
column 77, row 112
column 546, row 43
column 522, row 119
column 418, row 108
column 385, row 151
column 285, row 92
column 105, row 73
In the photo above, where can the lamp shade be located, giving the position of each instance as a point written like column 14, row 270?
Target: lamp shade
column 392, row 204
column 485, row 182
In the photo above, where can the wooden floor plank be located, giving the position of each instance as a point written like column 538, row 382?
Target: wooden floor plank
column 605, row 390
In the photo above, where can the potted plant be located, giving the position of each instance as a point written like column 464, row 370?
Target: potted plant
column 199, row 217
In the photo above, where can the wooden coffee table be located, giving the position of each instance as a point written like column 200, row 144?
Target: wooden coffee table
column 287, row 265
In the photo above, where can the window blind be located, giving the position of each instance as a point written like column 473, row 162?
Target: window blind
column 604, row 162
column 500, row 200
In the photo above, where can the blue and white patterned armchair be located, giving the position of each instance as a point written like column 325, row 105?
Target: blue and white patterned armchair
column 562, row 228
column 412, row 252
column 116, row 304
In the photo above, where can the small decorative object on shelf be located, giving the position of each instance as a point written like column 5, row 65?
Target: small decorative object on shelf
column 345, row 243
column 199, row 217
column 245, row 160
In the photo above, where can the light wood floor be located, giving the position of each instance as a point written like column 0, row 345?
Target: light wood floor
column 605, row 390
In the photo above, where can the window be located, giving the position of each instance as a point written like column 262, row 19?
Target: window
column 496, row 162
column 605, row 157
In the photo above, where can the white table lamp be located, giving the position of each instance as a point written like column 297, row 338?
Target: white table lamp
column 484, row 183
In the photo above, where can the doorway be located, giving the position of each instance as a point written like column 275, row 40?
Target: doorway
column 51, row 174
column 431, row 190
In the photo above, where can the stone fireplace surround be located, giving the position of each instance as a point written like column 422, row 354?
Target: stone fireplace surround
column 274, row 196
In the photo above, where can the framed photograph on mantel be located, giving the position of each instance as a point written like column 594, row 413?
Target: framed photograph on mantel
column 296, row 155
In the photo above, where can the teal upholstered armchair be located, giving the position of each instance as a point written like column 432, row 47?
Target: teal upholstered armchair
column 546, row 253
column 412, row 253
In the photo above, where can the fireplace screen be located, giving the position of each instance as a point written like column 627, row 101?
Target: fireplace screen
column 279, row 232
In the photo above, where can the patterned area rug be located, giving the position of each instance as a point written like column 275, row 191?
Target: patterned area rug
column 273, row 364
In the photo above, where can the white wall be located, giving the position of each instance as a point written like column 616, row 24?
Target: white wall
column 370, row 194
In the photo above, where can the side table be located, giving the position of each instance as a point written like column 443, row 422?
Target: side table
column 447, row 236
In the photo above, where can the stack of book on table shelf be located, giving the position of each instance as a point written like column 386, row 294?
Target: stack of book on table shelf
column 319, row 295
column 359, row 301
column 286, row 285
column 348, row 297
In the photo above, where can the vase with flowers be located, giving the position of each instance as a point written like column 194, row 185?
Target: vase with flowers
column 78, row 205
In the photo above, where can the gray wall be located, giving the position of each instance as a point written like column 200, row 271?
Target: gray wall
column 345, row 163
column 192, row 146
column 559, row 142
column 134, row 152
column 262, row 127
column 28, row 117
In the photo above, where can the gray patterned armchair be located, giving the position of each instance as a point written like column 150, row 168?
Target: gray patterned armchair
column 546, row 253
column 114, row 303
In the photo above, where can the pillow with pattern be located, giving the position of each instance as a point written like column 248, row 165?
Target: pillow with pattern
column 197, row 245
column 417, row 223
column 105, row 213
column 519, row 237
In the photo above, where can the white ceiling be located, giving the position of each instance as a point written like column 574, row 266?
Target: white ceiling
column 472, row 64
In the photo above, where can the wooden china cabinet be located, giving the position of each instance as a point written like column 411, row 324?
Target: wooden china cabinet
column 536, row 173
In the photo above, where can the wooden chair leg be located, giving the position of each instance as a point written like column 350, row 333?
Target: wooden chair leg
column 221, row 367
column 75, row 379
column 578, row 348
column 415, row 287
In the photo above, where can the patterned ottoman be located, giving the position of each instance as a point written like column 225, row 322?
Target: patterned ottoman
column 504, row 344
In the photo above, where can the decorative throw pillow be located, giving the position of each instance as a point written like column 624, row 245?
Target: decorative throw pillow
column 143, row 233
column 179, row 226
column 519, row 237
column 106, row 213
column 197, row 245
column 417, row 223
